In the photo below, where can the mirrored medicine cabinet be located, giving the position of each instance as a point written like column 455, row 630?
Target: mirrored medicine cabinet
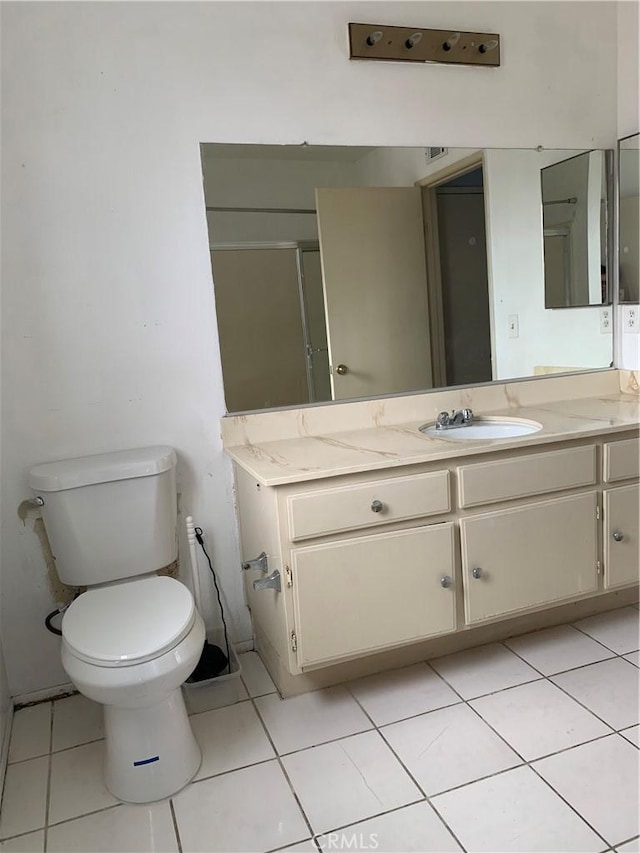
column 345, row 272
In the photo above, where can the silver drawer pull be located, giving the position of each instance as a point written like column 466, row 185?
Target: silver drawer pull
column 477, row 572
column 446, row 581
column 377, row 506
column 618, row 536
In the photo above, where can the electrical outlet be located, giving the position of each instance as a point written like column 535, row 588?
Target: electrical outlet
column 514, row 331
column 631, row 319
column 605, row 321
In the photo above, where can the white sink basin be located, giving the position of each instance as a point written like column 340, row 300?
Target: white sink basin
column 484, row 428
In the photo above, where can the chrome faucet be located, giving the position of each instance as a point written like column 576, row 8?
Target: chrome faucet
column 461, row 418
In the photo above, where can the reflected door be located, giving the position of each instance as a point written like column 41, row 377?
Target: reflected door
column 465, row 288
column 375, row 290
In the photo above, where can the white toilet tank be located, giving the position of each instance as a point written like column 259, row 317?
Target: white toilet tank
column 110, row 516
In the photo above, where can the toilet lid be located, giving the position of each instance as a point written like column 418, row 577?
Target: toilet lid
column 126, row 622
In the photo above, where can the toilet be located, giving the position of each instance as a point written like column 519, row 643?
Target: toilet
column 132, row 639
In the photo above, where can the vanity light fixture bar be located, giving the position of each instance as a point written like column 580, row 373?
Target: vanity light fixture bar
column 260, row 210
column 413, row 44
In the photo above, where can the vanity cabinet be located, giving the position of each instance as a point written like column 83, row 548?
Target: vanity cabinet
column 621, row 510
column 621, row 536
column 518, row 559
column 369, row 593
column 377, row 560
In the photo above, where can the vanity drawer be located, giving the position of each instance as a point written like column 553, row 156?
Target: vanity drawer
column 325, row 511
column 507, row 479
column 622, row 460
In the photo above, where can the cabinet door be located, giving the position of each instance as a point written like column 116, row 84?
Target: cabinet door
column 621, row 528
column 369, row 593
column 517, row 559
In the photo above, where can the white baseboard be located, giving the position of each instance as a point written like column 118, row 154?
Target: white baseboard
column 4, row 749
column 43, row 695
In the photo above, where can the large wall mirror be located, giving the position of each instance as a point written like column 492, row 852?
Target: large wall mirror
column 348, row 272
column 629, row 220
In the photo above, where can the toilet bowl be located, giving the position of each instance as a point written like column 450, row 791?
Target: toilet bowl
column 130, row 646
column 133, row 638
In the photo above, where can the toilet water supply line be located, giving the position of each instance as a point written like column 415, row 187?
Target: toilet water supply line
column 195, row 534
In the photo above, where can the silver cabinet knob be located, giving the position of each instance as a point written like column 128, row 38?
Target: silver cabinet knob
column 618, row 536
column 446, row 581
column 342, row 369
column 377, row 506
column 477, row 572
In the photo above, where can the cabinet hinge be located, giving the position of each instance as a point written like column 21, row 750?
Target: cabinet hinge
column 289, row 575
column 598, row 567
column 294, row 641
column 598, row 513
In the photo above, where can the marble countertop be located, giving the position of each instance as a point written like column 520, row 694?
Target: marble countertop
column 332, row 454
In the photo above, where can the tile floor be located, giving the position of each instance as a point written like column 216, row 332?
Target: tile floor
column 527, row 745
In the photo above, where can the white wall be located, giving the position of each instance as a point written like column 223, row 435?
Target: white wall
column 5, row 718
column 628, row 71
column 109, row 334
column 628, row 349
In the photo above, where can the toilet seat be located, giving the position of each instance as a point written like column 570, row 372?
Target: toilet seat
column 128, row 623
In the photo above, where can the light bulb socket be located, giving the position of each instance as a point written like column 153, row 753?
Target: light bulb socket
column 413, row 40
column 374, row 38
column 485, row 47
column 451, row 42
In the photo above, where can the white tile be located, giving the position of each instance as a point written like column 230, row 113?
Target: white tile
column 33, row 842
column 255, row 676
column 485, row 669
column 145, row 829
column 230, row 738
column 24, row 801
column 312, row 718
column 77, row 786
column 349, row 780
column 513, row 812
column 30, row 732
column 401, row 693
column 302, row 847
column 448, row 747
column 634, row 658
column 632, row 846
column 609, row 689
column 412, row 829
column 600, row 780
column 537, row 719
column 250, row 809
column 557, row 649
column 76, row 720
column 632, row 735
column 618, row 630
